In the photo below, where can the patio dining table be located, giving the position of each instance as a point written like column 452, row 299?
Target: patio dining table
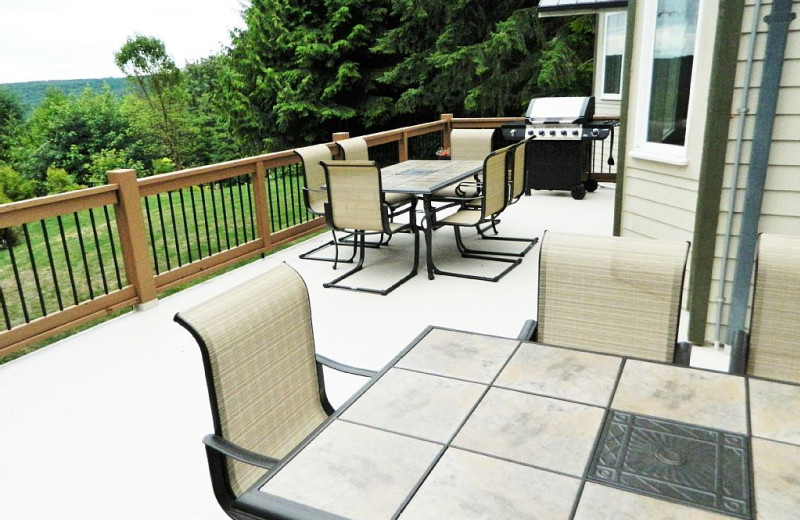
column 422, row 178
column 463, row 425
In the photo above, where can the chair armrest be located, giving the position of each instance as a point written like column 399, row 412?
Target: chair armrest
column 528, row 331
column 683, row 354
column 226, row 447
column 341, row 367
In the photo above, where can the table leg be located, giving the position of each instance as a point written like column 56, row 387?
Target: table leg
column 428, row 228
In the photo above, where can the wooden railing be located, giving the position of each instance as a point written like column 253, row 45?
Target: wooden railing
column 84, row 254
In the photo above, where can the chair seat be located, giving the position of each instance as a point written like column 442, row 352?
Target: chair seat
column 397, row 199
column 462, row 190
column 463, row 217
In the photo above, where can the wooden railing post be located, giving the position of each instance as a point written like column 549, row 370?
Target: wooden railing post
column 402, row 147
column 340, row 136
column 262, row 205
column 132, row 237
column 448, row 119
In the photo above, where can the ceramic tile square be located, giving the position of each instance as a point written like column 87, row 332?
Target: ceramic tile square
column 469, row 486
column 600, row 502
column 459, row 354
column 544, row 432
column 567, row 374
column 422, row 405
column 691, row 465
column 774, row 410
column 776, row 468
column 354, row 471
column 683, row 394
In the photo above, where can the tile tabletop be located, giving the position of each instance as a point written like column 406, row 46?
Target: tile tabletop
column 468, row 426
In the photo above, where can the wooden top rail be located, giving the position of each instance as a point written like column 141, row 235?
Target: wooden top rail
column 31, row 210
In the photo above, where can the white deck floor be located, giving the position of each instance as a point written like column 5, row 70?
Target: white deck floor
column 108, row 423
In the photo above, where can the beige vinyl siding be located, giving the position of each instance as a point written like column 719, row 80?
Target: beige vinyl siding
column 780, row 211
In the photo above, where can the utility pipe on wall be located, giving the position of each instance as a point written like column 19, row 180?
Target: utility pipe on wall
column 737, row 165
column 778, row 29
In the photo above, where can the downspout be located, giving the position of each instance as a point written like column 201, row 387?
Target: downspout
column 777, row 33
column 630, row 20
column 737, row 165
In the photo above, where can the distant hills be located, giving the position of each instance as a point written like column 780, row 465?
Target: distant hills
column 31, row 93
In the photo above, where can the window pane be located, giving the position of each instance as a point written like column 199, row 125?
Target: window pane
column 673, row 55
column 615, row 44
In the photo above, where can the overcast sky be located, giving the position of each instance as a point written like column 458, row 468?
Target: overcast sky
column 76, row 39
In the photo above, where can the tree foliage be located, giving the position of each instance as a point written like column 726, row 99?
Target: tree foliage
column 302, row 69
column 11, row 110
column 484, row 57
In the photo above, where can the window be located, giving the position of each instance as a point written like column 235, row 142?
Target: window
column 612, row 54
column 673, row 57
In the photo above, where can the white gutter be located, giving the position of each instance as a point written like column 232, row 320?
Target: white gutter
column 737, row 163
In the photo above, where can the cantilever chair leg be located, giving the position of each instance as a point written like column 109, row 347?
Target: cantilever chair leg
column 464, row 249
column 359, row 239
column 335, row 242
column 466, row 254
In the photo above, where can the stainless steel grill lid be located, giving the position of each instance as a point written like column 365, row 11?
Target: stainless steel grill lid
column 560, row 110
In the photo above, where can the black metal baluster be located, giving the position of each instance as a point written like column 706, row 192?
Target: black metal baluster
column 224, row 215
column 185, row 226
column 83, row 256
column 214, row 209
column 241, row 207
column 97, row 248
column 6, row 317
column 284, row 210
column 52, row 265
column 292, row 192
column 175, row 228
column 271, row 174
column 196, row 226
column 20, row 290
column 68, row 260
column 34, row 269
column 152, row 235
column 163, row 231
column 113, row 247
column 251, row 186
column 205, row 219
column 233, row 211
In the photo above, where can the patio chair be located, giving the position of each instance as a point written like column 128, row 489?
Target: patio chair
column 265, row 382
column 357, row 203
column 770, row 350
column 515, row 167
column 353, row 149
column 467, row 144
column 617, row 295
column 315, row 197
column 480, row 210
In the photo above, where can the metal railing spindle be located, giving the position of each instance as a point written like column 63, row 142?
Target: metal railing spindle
column 83, row 256
column 99, row 253
column 68, row 259
column 34, row 269
column 52, row 265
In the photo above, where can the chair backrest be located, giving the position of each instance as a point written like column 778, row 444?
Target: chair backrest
column 258, row 350
column 775, row 318
column 471, row 144
column 353, row 149
column 355, row 197
column 518, row 177
column 618, row 295
column 314, row 176
column 495, row 184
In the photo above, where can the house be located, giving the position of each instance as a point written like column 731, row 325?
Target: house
column 709, row 99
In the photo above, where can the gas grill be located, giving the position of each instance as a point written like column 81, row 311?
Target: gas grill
column 559, row 156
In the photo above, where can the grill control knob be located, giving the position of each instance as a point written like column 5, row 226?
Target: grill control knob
column 541, row 132
column 595, row 132
column 575, row 132
column 552, row 132
column 563, row 132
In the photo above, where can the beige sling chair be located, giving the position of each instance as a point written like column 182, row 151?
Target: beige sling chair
column 467, row 144
column 357, row 203
column 265, row 381
column 771, row 348
column 617, row 295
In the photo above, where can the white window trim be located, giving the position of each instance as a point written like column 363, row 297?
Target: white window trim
column 644, row 149
column 603, row 93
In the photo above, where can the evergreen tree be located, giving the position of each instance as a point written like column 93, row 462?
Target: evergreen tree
column 484, row 57
column 302, row 69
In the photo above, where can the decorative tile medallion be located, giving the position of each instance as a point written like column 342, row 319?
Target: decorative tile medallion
column 687, row 464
